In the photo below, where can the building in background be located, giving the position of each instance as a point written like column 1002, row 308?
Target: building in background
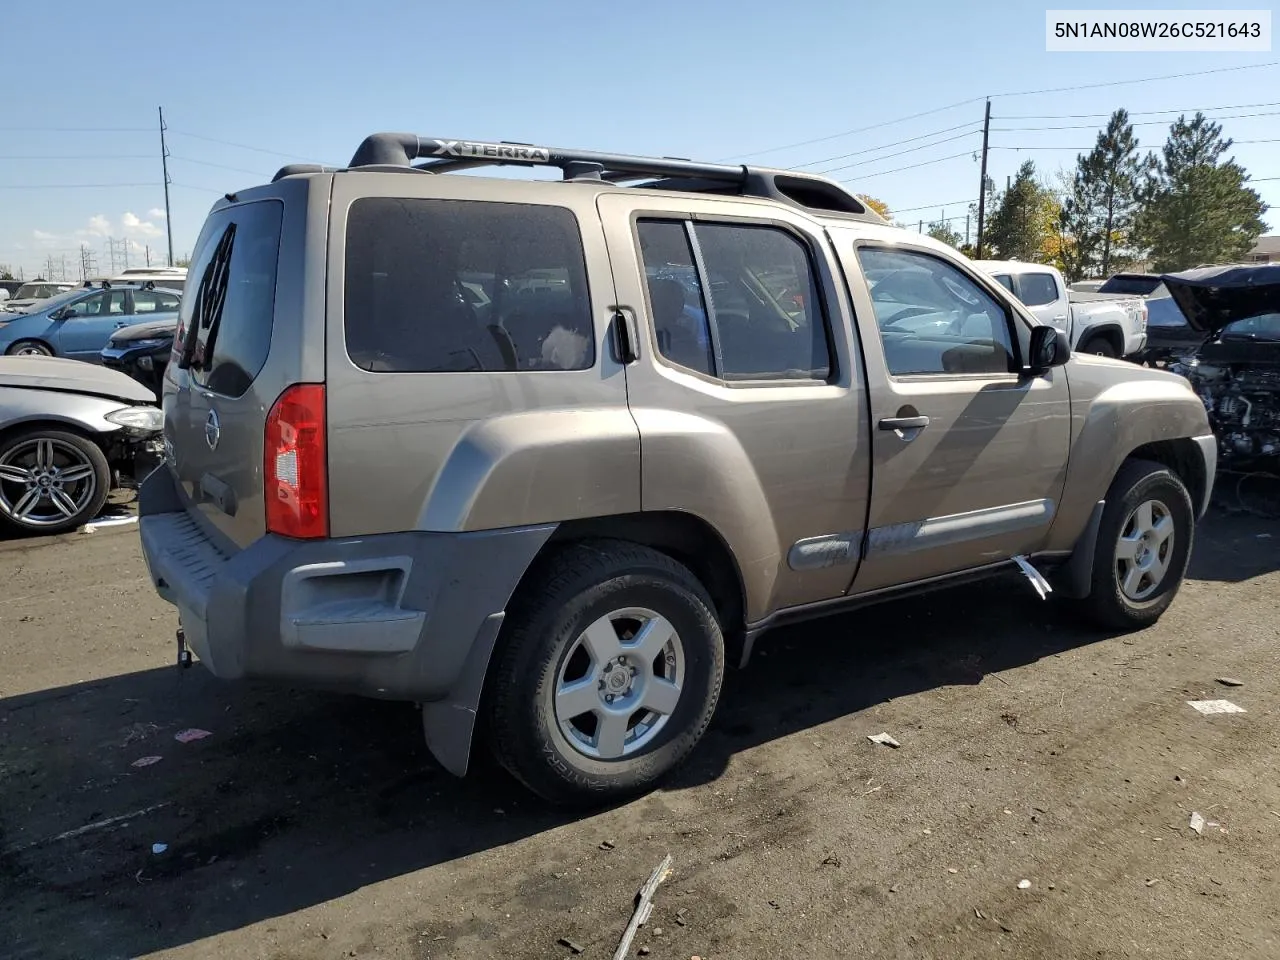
column 1266, row 250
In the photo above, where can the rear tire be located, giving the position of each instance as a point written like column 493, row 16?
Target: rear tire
column 1100, row 347
column 29, row 348
column 1144, row 545
column 607, row 674
column 51, row 481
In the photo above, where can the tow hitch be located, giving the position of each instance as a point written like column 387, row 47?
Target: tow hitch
column 184, row 652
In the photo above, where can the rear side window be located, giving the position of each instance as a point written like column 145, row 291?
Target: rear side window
column 227, row 317
column 148, row 301
column 1037, row 289
column 435, row 286
column 749, row 309
column 1130, row 285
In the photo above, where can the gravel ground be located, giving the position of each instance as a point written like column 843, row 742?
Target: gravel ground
column 314, row 826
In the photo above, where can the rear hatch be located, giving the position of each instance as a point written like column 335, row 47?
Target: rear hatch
column 241, row 342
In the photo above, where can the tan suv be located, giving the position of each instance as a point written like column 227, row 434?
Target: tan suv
column 547, row 454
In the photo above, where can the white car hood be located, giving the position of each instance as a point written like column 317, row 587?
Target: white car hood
column 72, row 376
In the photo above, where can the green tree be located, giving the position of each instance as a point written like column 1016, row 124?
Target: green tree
column 1101, row 209
column 1198, row 207
column 1021, row 222
column 182, row 262
column 6, row 272
column 941, row 230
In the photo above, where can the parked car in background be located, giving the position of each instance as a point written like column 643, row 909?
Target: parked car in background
column 1235, row 310
column 31, row 293
column 1094, row 323
column 171, row 278
column 79, row 323
column 8, row 288
column 69, row 433
column 564, row 502
column 142, row 351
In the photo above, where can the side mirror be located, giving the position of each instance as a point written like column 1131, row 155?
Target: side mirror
column 1049, row 348
column 59, row 314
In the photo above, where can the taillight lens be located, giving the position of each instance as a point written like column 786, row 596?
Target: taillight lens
column 295, row 467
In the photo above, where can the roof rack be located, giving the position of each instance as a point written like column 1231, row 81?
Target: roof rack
column 397, row 151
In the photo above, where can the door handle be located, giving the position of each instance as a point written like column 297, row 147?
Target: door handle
column 1061, row 316
column 904, row 423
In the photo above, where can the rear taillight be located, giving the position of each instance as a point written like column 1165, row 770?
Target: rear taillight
column 295, row 467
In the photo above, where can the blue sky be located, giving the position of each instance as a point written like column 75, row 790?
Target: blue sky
column 709, row 80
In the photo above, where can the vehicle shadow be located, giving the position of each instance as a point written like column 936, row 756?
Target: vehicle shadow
column 297, row 798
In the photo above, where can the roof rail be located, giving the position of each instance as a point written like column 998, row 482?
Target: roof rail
column 398, row 151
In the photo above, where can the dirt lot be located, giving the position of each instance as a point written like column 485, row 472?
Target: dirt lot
column 313, row 826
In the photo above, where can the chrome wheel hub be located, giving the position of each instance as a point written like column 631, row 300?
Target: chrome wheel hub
column 44, row 482
column 619, row 683
column 1144, row 551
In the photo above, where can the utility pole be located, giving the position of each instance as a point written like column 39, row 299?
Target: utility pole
column 164, row 165
column 966, row 229
column 148, row 249
column 982, row 184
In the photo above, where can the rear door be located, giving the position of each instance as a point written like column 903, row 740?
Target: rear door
column 749, row 401
column 472, row 381
column 216, row 406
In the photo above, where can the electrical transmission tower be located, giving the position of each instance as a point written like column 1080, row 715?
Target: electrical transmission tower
column 88, row 263
column 118, row 253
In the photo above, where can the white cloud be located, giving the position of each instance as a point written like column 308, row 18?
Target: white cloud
column 155, row 213
column 99, row 226
column 43, row 236
column 130, row 224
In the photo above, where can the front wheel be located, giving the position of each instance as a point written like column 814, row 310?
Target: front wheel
column 607, row 674
column 51, row 481
column 1144, row 545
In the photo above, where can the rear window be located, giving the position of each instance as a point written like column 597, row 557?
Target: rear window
column 435, row 286
column 1037, row 289
column 1133, row 286
column 231, row 303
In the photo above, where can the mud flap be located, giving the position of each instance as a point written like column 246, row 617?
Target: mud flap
column 1075, row 577
column 449, row 724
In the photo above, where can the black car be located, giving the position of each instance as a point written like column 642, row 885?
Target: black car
column 142, row 351
column 1236, row 370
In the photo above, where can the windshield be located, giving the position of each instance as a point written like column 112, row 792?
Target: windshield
column 38, row 291
column 1265, row 326
column 56, row 300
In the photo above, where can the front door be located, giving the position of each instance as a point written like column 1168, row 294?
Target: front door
column 749, row 402
column 970, row 453
column 88, row 324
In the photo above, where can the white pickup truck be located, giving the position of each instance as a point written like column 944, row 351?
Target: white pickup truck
column 1100, row 323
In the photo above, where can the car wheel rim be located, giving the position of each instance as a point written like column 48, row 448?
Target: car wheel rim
column 45, row 482
column 31, row 350
column 1144, row 550
column 619, row 683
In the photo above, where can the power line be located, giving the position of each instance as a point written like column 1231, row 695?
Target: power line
column 886, row 146
column 1140, row 123
column 932, row 206
column 220, row 166
column 94, row 157
column 848, row 133
column 889, row 156
column 1134, row 113
column 69, row 186
column 879, row 173
column 1091, row 146
column 240, row 146
column 1017, row 93
column 75, row 129
column 1121, row 83
column 192, row 186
